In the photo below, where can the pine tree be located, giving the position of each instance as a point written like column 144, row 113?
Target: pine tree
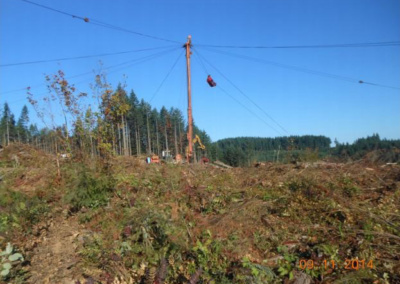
column 34, row 134
column 166, row 126
column 7, row 125
column 134, row 120
column 22, row 126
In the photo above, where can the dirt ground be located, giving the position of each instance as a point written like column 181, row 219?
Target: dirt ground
column 54, row 255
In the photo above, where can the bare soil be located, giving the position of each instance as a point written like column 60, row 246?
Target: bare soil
column 54, row 256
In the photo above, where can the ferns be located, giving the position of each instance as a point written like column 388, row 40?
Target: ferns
column 90, row 191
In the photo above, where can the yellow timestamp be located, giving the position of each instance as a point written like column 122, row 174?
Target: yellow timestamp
column 349, row 264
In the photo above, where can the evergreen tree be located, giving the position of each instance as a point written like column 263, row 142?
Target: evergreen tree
column 22, row 126
column 34, row 134
column 7, row 126
column 178, row 127
column 165, row 128
column 134, row 120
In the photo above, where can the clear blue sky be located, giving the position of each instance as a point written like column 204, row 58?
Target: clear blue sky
column 302, row 103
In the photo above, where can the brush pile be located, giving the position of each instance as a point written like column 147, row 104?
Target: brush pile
column 305, row 223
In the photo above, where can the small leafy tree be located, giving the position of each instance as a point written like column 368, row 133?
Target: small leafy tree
column 64, row 94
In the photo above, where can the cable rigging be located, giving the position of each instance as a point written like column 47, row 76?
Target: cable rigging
column 344, row 45
column 100, row 23
column 198, row 58
column 249, row 110
column 129, row 62
column 103, row 24
column 148, row 57
column 141, row 60
column 241, row 92
column 82, row 57
column 201, row 62
column 121, row 29
column 166, row 77
column 301, row 69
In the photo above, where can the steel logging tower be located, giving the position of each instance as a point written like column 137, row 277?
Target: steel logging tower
column 189, row 154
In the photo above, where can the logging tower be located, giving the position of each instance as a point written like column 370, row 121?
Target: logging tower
column 187, row 46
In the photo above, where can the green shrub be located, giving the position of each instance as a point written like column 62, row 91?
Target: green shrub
column 349, row 188
column 306, row 186
column 20, row 210
column 90, row 191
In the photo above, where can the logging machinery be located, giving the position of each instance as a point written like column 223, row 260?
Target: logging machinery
column 198, row 140
column 194, row 141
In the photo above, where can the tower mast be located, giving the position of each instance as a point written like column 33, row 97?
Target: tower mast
column 187, row 45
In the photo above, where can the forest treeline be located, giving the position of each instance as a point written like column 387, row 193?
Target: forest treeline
column 121, row 124
column 156, row 131
column 363, row 146
column 144, row 130
column 244, row 151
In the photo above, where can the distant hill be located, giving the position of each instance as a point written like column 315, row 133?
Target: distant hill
column 243, row 151
column 372, row 148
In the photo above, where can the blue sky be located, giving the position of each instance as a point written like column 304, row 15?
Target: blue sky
column 302, row 103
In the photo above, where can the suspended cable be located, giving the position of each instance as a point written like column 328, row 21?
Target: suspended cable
column 82, row 57
column 149, row 57
column 105, row 25
column 249, row 110
column 300, row 69
column 198, row 58
column 141, row 60
column 165, row 78
column 291, row 67
column 136, row 61
column 181, row 100
column 127, row 63
column 241, row 92
column 343, row 45
column 378, row 85
column 55, row 10
column 201, row 63
column 99, row 23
